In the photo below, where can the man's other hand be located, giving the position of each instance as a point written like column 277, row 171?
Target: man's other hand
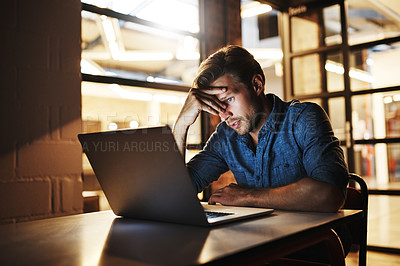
column 232, row 195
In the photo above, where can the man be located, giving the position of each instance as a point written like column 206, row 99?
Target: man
column 283, row 154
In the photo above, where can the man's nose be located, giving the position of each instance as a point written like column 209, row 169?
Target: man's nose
column 224, row 115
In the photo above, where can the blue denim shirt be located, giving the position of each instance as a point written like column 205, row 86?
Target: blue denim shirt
column 296, row 141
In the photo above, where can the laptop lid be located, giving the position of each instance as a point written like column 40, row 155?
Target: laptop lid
column 142, row 174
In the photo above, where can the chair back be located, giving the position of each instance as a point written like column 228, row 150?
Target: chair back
column 357, row 198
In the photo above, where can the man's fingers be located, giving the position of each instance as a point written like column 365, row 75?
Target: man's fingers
column 209, row 109
column 217, row 106
column 211, row 200
column 207, row 101
column 214, row 90
column 210, row 100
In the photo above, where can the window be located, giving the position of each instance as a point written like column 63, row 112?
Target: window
column 374, row 67
column 354, row 74
column 136, row 40
column 139, row 59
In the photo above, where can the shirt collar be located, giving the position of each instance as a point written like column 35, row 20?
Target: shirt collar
column 278, row 113
column 274, row 120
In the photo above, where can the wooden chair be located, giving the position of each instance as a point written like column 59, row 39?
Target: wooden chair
column 357, row 198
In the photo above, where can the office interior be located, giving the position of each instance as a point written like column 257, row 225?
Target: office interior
column 94, row 65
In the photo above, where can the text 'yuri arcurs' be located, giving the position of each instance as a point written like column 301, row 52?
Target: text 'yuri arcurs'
column 127, row 146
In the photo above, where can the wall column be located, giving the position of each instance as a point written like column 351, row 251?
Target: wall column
column 40, row 101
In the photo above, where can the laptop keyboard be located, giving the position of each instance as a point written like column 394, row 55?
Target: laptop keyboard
column 211, row 214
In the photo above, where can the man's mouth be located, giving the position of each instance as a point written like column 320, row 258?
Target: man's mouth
column 235, row 124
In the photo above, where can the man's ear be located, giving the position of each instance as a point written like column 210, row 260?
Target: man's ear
column 258, row 84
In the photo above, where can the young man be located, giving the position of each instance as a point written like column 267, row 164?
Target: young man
column 283, row 155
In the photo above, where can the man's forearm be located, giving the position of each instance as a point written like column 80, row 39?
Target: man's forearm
column 196, row 101
column 306, row 194
column 180, row 133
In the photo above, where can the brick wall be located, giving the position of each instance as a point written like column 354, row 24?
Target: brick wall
column 40, row 107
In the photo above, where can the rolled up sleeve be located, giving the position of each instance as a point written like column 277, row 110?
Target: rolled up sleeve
column 323, row 157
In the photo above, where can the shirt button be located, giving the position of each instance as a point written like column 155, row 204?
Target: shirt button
column 258, row 177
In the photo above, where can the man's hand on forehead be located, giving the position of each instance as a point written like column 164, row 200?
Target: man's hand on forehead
column 197, row 100
column 208, row 99
column 217, row 89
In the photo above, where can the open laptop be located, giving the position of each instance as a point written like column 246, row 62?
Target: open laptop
column 143, row 176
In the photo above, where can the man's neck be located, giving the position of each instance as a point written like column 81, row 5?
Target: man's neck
column 267, row 108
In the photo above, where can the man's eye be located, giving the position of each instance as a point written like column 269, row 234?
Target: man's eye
column 230, row 99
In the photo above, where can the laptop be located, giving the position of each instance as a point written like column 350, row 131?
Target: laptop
column 143, row 176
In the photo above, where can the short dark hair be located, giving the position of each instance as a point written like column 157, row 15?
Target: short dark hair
column 231, row 59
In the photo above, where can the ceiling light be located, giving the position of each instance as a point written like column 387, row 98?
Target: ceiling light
column 112, row 35
column 161, row 80
column 134, row 124
column 109, row 30
column 146, row 56
column 114, row 50
column 112, row 126
column 254, row 8
column 337, row 68
column 361, row 75
column 180, row 15
column 388, row 99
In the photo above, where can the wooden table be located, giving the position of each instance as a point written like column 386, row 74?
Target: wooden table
column 101, row 238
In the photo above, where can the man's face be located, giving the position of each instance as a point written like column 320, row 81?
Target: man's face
column 242, row 106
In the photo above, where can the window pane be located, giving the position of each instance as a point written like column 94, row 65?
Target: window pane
column 364, row 157
column 306, row 23
column 337, row 116
column 375, row 67
column 379, row 164
column 376, row 115
column 113, row 47
column 332, row 25
column 111, row 106
column 306, row 75
column 178, row 14
column 392, row 114
column 334, row 72
column 372, row 20
column 394, row 162
column 306, row 33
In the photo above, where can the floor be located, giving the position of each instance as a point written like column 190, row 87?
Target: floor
column 383, row 221
column 374, row 258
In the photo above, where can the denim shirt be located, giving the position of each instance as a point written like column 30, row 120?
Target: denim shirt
column 296, row 141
